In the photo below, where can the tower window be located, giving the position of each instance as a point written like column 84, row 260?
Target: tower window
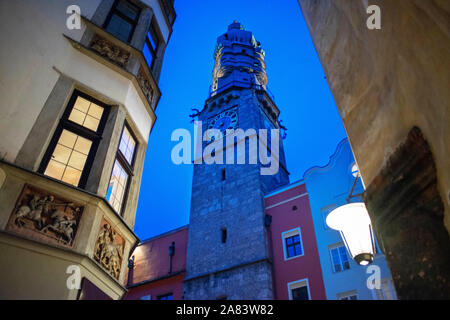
column 73, row 146
column 223, row 175
column 122, row 20
column 294, row 208
column 224, row 235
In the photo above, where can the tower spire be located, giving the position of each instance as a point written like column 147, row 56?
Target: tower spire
column 239, row 60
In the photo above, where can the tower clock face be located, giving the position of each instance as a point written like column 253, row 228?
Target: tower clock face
column 223, row 121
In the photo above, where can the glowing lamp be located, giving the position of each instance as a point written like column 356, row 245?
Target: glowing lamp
column 353, row 222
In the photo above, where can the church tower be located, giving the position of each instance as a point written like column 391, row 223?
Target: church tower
column 228, row 253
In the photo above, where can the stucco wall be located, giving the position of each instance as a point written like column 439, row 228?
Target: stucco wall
column 33, row 54
column 328, row 188
column 284, row 218
column 387, row 81
column 152, row 256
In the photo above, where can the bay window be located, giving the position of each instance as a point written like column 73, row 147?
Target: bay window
column 122, row 170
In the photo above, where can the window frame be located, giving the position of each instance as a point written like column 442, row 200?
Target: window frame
column 288, row 234
column 153, row 52
column 337, row 246
column 296, row 285
column 347, row 294
column 165, row 295
column 129, row 168
column 114, row 11
column 386, row 283
column 325, row 211
column 94, row 137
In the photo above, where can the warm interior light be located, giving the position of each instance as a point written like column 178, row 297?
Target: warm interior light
column 353, row 222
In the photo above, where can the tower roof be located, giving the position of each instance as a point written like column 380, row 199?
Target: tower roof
column 235, row 25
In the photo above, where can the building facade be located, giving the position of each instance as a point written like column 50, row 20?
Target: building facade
column 79, row 90
column 391, row 89
column 159, row 267
column 308, row 260
column 295, row 256
column 329, row 187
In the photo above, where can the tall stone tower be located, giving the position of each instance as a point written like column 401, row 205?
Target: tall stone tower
column 228, row 253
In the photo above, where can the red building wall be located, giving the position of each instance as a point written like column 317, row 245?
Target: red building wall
column 284, row 218
column 150, row 275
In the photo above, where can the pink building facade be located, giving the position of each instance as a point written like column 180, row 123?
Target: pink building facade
column 292, row 243
column 296, row 265
column 156, row 274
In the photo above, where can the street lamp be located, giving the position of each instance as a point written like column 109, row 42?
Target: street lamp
column 353, row 222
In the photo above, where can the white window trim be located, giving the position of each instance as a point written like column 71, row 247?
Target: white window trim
column 334, row 246
column 391, row 288
column 347, row 294
column 328, row 208
column 290, row 233
column 293, row 283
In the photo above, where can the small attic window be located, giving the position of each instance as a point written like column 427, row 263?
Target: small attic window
column 226, row 36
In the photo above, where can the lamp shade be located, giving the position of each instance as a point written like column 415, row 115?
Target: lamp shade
column 353, row 222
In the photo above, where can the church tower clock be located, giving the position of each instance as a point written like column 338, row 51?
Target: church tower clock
column 228, row 253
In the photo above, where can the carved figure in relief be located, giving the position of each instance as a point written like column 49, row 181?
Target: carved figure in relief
column 107, row 253
column 45, row 216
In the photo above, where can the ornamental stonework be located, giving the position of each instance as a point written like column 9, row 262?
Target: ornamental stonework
column 145, row 84
column 109, row 249
column 110, row 51
column 45, row 217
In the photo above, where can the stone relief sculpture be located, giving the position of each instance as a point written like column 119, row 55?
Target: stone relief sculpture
column 107, row 251
column 41, row 213
column 110, row 51
column 145, row 85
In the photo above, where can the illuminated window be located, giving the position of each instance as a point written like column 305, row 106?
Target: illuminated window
column 117, row 186
column 339, row 258
column 127, row 145
column 69, row 158
column 122, row 170
column 86, row 114
column 72, row 149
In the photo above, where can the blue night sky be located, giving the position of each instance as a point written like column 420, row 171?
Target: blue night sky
column 296, row 78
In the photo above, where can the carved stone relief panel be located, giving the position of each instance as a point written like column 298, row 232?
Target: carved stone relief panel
column 110, row 51
column 109, row 249
column 45, row 217
column 145, row 84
